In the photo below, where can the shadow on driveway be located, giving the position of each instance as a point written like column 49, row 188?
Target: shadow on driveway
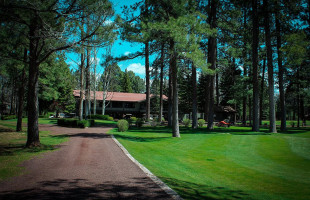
column 82, row 189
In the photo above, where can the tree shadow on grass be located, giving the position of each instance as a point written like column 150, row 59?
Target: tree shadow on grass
column 150, row 130
column 90, row 135
column 296, row 130
column 80, row 189
column 193, row 191
column 15, row 149
column 233, row 131
column 140, row 139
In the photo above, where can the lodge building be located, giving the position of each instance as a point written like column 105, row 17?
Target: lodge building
column 120, row 104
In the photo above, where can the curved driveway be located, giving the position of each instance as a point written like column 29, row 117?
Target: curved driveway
column 89, row 166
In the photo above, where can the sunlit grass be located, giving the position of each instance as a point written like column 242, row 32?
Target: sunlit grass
column 226, row 163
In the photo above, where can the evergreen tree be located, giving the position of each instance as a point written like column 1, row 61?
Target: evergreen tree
column 126, row 83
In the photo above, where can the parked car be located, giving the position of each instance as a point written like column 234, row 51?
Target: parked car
column 61, row 115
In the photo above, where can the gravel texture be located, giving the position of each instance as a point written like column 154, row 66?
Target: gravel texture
column 89, row 166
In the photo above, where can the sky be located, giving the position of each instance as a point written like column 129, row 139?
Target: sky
column 119, row 48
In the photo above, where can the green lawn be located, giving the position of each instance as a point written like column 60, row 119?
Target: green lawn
column 12, row 147
column 105, row 123
column 228, row 163
column 289, row 123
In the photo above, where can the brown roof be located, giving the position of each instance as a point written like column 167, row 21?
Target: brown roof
column 117, row 96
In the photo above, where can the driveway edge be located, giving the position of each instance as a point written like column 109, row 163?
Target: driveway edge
column 154, row 178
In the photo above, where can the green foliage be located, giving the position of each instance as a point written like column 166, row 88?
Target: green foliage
column 56, row 86
column 134, row 119
column 102, row 117
column 296, row 47
column 130, row 121
column 154, row 123
column 201, row 122
column 76, row 123
column 186, row 122
column 8, row 117
column 122, row 125
column 126, row 83
column 139, row 122
column 110, row 119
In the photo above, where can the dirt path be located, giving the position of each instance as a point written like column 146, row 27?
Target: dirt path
column 89, row 166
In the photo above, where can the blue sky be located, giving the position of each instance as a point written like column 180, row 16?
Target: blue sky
column 119, row 48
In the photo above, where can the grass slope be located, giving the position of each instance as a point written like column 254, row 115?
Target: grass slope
column 232, row 163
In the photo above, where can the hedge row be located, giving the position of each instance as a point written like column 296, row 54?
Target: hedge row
column 101, row 117
column 76, row 123
column 8, row 117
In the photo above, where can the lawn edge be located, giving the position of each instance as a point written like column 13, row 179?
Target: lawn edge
column 154, row 178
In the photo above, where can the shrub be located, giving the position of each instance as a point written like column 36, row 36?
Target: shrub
column 154, row 123
column 134, row 119
column 76, row 123
column 292, row 124
column 110, row 119
column 129, row 121
column 186, row 122
column 8, row 117
column 122, row 125
column 201, row 122
column 139, row 122
column 82, row 123
column 101, row 117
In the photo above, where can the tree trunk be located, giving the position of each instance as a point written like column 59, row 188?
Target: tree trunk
column 244, row 103
column 298, row 99
column 33, row 138
column 175, row 113
column 272, row 112
column 87, row 106
column 33, row 128
column 170, row 97
column 194, row 108
column 207, row 96
column 161, row 83
column 82, row 87
column 255, row 40
column 217, row 88
column 147, row 79
column 281, row 70
column 103, row 101
column 302, row 111
column 21, row 96
column 262, row 93
column 212, row 48
column 95, row 88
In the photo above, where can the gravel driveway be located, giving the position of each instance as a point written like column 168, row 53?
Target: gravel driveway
column 89, row 166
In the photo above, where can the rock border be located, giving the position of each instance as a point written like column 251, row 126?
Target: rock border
column 154, row 178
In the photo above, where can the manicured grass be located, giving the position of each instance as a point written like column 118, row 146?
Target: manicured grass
column 288, row 123
column 12, row 123
column 13, row 151
column 100, row 122
column 227, row 163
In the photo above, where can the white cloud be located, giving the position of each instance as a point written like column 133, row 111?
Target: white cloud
column 137, row 68
column 127, row 53
column 108, row 22
column 92, row 60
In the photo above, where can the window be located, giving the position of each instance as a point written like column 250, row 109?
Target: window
column 117, row 104
column 130, row 105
